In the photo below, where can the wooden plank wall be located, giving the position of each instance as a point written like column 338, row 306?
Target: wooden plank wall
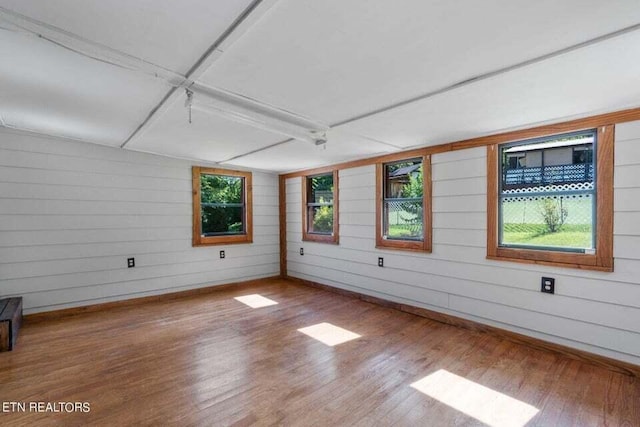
column 71, row 214
column 593, row 311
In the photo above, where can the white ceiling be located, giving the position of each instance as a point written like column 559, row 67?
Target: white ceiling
column 207, row 137
column 595, row 79
column 288, row 156
column 170, row 33
column 331, row 61
column 48, row 89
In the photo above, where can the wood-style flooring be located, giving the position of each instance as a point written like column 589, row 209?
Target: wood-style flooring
column 211, row 360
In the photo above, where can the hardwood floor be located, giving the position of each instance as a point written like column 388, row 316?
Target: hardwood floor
column 212, row 360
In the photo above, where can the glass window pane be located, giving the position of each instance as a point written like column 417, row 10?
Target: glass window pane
column 562, row 221
column 321, row 189
column 320, row 204
column 320, row 219
column 403, row 197
column 222, row 204
column 403, row 179
column 221, row 189
column 403, row 219
column 547, row 197
column 222, row 220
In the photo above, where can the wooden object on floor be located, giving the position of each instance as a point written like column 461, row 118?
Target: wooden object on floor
column 10, row 322
column 209, row 359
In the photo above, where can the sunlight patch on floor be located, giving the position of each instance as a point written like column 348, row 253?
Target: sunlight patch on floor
column 329, row 334
column 255, row 301
column 482, row 403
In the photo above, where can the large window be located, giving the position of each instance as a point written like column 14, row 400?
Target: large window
column 550, row 199
column 221, row 207
column 404, row 204
column 320, row 212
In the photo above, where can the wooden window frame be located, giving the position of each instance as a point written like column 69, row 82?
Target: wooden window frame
column 407, row 245
column 602, row 260
column 332, row 238
column 198, row 238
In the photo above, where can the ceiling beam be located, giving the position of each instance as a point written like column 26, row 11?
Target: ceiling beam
column 13, row 21
column 256, row 10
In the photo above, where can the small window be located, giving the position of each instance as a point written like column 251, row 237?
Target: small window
column 547, row 201
column 221, row 207
column 320, row 213
column 550, row 203
column 404, row 209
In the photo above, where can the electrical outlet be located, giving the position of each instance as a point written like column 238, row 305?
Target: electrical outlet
column 222, row 255
column 301, row 251
column 131, row 262
column 548, row 285
column 380, row 262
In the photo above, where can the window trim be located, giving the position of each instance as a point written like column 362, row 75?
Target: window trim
column 602, row 260
column 197, row 238
column 332, row 238
column 423, row 245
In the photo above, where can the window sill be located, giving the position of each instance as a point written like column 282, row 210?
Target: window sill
column 222, row 240
column 554, row 259
column 320, row 238
column 403, row 245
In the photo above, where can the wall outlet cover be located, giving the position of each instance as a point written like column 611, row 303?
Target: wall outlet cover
column 548, row 285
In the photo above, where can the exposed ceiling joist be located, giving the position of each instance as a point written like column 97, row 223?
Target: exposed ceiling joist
column 256, row 10
column 88, row 48
column 254, row 113
column 226, row 104
column 220, row 77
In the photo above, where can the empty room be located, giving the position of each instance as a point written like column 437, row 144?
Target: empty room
column 319, row 213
